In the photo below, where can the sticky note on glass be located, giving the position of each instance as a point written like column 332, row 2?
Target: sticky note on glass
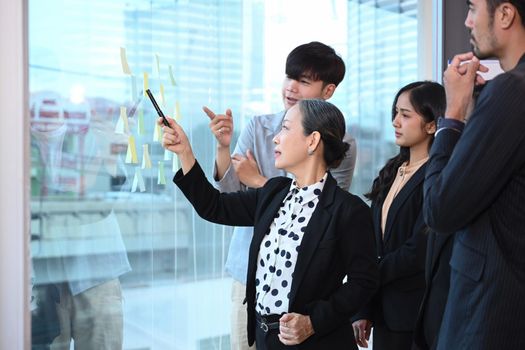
column 161, row 178
column 138, row 182
column 124, row 61
column 162, row 100
column 178, row 116
column 175, row 165
column 146, row 83
column 119, row 128
column 167, row 154
column 140, row 122
column 122, row 126
column 172, row 79
column 157, row 133
column 131, row 154
column 146, row 160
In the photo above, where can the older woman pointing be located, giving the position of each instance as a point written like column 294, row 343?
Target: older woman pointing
column 308, row 233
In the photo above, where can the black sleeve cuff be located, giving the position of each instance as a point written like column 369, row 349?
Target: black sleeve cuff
column 449, row 123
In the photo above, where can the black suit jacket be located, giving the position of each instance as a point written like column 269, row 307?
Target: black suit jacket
column 338, row 242
column 437, row 278
column 475, row 186
column 401, row 255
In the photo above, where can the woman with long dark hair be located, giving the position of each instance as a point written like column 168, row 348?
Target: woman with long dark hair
column 400, row 232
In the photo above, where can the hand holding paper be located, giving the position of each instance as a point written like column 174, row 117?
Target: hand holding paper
column 459, row 80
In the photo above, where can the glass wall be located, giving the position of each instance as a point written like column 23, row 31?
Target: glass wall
column 382, row 55
column 105, row 215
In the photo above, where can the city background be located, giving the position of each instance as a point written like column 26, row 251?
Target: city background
column 222, row 54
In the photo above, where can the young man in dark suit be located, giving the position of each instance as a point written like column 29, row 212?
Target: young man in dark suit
column 475, row 184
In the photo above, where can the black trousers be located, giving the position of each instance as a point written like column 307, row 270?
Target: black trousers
column 270, row 340
column 386, row 339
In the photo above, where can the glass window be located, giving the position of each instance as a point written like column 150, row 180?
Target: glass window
column 111, row 237
column 382, row 57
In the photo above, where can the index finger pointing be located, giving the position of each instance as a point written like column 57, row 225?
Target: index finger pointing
column 208, row 112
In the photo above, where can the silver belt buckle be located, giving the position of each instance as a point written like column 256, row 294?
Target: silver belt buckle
column 264, row 327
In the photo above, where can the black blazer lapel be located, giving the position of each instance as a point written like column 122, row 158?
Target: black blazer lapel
column 314, row 232
column 401, row 197
column 376, row 217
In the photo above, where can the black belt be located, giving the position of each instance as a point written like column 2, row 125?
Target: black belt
column 267, row 322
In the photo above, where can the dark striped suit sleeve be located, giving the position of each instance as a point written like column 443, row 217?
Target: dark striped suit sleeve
column 467, row 171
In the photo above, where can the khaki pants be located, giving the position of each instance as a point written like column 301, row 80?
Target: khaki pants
column 239, row 318
column 93, row 319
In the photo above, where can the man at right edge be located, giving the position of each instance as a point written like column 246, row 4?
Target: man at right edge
column 475, row 184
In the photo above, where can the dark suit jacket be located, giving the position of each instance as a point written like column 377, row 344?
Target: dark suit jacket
column 338, row 242
column 437, row 278
column 401, row 255
column 475, row 186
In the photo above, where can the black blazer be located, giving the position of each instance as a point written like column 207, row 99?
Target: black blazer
column 475, row 186
column 338, row 242
column 437, row 278
column 401, row 256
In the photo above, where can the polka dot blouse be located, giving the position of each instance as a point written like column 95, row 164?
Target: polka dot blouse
column 279, row 248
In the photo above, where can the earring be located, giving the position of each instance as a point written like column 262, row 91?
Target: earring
column 310, row 152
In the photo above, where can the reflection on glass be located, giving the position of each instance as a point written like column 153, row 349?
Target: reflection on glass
column 116, row 268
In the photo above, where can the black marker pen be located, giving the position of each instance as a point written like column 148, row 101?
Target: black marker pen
column 157, row 108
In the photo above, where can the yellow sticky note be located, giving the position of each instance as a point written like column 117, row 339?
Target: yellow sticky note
column 158, row 63
column 175, row 165
column 157, row 133
column 140, row 122
column 131, row 154
column 138, row 182
column 172, row 79
column 146, row 83
column 124, row 61
column 146, row 160
column 124, row 117
column 178, row 116
column 122, row 123
column 162, row 100
column 161, row 178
